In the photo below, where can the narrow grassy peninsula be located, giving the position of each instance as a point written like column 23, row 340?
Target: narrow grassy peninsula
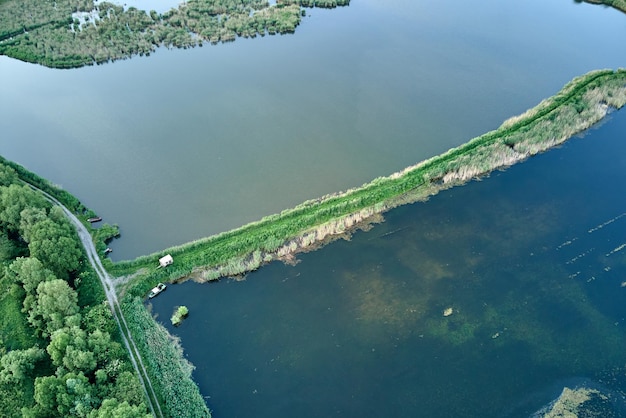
column 580, row 104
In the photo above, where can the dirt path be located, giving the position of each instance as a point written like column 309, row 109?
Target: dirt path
column 109, row 290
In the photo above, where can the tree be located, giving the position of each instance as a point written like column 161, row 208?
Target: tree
column 127, row 388
column 55, row 307
column 111, row 408
column 46, row 391
column 103, row 348
column 29, row 272
column 66, row 396
column 69, row 350
column 56, row 245
column 29, row 218
column 13, row 200
column 8, row 176
column 18, row 365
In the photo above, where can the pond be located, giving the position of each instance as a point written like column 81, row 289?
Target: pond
column 487, row 301
column 188, row 143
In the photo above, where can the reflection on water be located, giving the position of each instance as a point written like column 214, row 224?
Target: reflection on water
column 485, row 301
column 189, row 143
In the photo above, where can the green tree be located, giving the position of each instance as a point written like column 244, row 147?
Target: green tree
column 13, row 200
column 29, row 272
column 68, row 396
column 8, row 176
column 55, row 307
column 56, row 245
column 100, row 318
column 103, row 347
column 17, row 365
column 69, row 350
column 47, row 389
column 127, row 388
column 112, row 408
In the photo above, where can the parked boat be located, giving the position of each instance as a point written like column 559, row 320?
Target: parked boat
column 94, row 219
column 156, row 290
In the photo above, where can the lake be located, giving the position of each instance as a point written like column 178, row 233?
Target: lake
column 188, row 143
column 485, row 301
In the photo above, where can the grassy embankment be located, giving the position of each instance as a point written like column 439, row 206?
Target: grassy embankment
column 580, row 104
column 75, row 33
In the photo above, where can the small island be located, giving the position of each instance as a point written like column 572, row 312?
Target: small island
column 179, row 314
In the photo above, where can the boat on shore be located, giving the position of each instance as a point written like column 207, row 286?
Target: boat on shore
column 94, row 219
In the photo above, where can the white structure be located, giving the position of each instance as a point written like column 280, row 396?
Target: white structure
column 166, row 261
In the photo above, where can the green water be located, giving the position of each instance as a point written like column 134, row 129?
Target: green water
column 531, row 262
column 187, row 143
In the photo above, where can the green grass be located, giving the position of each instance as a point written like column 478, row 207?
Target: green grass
column 16, row 332
column 575, row 107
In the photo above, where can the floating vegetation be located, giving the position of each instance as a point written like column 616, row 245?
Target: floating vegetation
column 179, row 314
column 615, row 250
column 610, row 221
column 579, row 256
column 566, row 243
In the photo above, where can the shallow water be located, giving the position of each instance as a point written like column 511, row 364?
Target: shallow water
column 187, row 143
column 526, row 259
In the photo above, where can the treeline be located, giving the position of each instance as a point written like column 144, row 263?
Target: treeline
column 54, row 34
column 577, row 106
column 618, row 4
column 60, row 354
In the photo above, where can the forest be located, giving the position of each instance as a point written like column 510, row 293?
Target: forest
column 75, row 33
column 61, row 354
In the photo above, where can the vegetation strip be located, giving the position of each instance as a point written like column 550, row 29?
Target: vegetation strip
column 580, row 104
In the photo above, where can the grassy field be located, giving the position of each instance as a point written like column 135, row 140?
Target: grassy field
column 580, row 104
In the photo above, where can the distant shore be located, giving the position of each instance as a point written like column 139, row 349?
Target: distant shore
column 617, row 4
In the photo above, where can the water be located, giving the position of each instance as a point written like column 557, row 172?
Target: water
column 531, row 260
column 187, row 143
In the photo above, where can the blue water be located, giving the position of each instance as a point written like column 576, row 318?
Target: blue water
column 524, row 259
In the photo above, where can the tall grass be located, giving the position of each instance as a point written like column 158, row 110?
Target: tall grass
column 580, row 103
column 170, row 372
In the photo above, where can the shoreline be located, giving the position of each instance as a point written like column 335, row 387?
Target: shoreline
column 579, row 105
